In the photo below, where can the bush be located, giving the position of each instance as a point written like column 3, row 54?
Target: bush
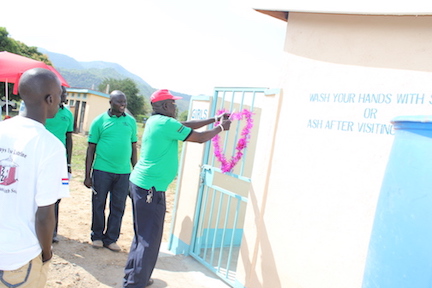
column 140, row 118
column 183, row 116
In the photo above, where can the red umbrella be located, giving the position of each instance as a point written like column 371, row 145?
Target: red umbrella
column 12, row 66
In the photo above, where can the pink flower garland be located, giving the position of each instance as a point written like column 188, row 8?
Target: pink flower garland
column 228, row 165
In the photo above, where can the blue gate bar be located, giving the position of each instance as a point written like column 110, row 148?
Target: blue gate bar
column 237, row 128
column 200, row 221
column 216, row 227
column 232, row 236
column 223, row 100
column 215, row 169
column 209, row 222
column 243, row 162
column 244, row 199
column 224, row 232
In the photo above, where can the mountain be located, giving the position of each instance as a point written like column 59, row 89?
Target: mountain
column 90, row 74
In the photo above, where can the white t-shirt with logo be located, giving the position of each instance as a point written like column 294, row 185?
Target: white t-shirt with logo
column 33, row 173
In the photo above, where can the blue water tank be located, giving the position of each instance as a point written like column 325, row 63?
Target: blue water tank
column 400, row 248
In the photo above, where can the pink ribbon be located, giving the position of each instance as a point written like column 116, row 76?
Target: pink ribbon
column 228, row 165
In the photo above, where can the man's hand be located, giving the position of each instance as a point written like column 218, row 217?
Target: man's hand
column 223, row 116
column 226, row 124
column 88, row 182
column 48, row 257
column 44, row 225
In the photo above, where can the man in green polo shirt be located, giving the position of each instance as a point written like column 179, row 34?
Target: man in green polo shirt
column 155, row 170
column 110, row 153
column 62, row 127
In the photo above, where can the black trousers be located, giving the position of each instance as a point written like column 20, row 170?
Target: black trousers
column 149, row 217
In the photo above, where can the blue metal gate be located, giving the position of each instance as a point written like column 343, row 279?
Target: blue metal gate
column 222, row 197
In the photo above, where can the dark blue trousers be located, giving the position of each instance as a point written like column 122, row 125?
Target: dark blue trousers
column 149, row 217
column 117, row 186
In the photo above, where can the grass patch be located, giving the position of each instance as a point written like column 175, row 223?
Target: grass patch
column 78, row 156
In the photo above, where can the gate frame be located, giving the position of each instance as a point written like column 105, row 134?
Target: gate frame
column 207, row 166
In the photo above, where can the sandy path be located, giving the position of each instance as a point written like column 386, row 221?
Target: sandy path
column 76, row 263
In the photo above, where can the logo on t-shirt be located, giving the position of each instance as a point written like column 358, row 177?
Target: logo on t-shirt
column 8, row 172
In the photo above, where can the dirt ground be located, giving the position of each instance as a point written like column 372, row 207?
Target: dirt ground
column 75, row 262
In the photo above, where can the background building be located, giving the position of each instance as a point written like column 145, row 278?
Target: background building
column 86, row 104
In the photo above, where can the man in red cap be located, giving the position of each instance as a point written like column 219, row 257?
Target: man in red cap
column 155, row 170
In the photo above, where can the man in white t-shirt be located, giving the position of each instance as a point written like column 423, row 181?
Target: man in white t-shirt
column 33, row 176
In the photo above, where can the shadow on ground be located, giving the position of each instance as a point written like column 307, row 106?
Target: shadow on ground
column 90, row 267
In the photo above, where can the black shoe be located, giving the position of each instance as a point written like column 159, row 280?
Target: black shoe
column 55, row 239
column 150, row 282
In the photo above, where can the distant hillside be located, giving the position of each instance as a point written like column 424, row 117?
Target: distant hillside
column 90, row 74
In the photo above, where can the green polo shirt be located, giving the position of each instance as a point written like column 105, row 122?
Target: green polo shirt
column 113, row 137
column 158, row 163
column 61, row 124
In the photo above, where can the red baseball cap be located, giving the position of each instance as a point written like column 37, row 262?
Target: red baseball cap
column 162, row 94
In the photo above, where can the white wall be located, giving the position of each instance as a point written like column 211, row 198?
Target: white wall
column 311, row 226
column 334, row 176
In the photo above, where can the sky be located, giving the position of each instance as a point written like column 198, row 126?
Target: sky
column 188, row 46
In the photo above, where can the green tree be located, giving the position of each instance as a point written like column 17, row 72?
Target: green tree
column 183, row 116
column 136, row 103
column 33, row 53
column 11, row 45
column 7, row 43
